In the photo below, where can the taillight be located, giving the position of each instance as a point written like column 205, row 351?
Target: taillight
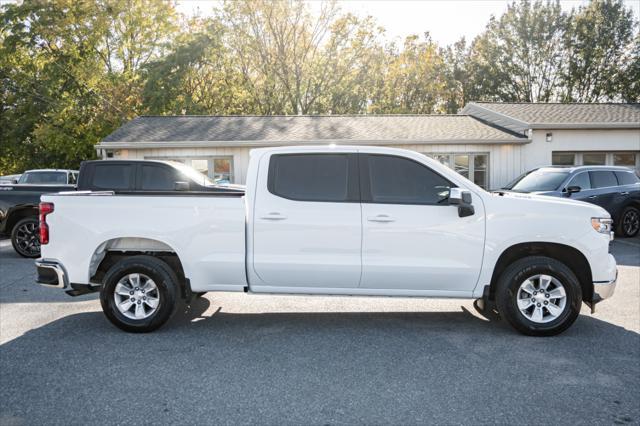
column 45, row 209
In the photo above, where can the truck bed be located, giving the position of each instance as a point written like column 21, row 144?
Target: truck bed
column 205, row 230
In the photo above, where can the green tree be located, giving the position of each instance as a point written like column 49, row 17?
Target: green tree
column 601, row 53
column 519, row 56
column 71, row 74
column 414, row 79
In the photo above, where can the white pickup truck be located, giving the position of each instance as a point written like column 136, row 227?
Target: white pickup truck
column 331, row 220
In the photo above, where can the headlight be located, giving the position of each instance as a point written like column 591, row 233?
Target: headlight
column 601, row 224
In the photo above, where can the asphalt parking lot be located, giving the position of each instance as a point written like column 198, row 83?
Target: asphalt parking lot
column 243, row 359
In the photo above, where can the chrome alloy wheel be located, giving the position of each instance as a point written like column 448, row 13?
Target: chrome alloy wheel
column 28, row 239
column 541, row 298
column 136, row 296
column 631, row 222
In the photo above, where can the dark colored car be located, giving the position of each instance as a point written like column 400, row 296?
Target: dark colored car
column 19, row 203
column 616, row 189
column 146, row 176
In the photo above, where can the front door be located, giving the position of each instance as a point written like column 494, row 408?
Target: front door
column 307, row 225
column 412, row 238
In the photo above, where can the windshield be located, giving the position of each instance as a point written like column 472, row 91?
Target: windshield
column 192, row 174
column 44, row 178
column 540, row 180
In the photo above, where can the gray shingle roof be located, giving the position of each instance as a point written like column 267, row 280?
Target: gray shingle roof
column 540, row 113
column 301, row 129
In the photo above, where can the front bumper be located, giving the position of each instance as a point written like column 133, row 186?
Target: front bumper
column 604, row 289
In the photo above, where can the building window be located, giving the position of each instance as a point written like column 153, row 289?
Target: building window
column 594, row 158
column 218, row 168
column 473, row 166
column 620, row 158
column 563, row 158
column 628, row 159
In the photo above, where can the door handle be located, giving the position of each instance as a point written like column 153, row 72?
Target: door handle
column 383, row 218
column 592, row 197
column 273, row 216
column 624, row 193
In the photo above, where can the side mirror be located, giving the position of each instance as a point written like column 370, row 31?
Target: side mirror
column 461, row 198
column 14, row 181
column 182, row 186
column 573, row 189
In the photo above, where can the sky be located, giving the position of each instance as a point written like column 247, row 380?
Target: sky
column 446, row 20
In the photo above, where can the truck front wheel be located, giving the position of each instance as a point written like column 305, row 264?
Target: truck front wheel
column 139, row 294
column 539, row 296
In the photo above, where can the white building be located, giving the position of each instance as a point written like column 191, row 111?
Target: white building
column 492, row 143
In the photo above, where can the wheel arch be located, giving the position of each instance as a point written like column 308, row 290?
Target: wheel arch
column 570, row 256
column 109, row 252
column 18, row 213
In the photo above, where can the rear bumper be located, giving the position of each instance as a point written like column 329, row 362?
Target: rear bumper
column 51, row 274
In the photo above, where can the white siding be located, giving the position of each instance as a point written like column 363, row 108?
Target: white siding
column 538, row 152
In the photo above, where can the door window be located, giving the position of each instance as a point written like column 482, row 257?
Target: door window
column 603, row 179
column 113, row 176
column 311, row 177
column 158, row 178
column 397, row 180
column 582, row 180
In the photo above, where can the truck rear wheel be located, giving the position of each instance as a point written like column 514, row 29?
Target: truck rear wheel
column 539, row 296
column 25, row 237
column 139, row 294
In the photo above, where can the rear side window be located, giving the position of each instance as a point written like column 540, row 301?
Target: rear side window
column 603, row 179
column 113, row 176
column 158, row 178
column 627, row 178
column 397, row 180
column 311, row 177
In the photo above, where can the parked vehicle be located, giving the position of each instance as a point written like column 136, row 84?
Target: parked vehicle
column 19, row 206
column 19, row 203
column 48, row 177
column 146, row 175
column 9, row 179
column 616, row 189
column 366, row 221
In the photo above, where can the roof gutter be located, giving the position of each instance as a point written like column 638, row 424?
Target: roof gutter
column 577, row 126
column 250, row 143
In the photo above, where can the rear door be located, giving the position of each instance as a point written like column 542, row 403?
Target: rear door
column 605, row 188
column 307, row 223
column 413, row 240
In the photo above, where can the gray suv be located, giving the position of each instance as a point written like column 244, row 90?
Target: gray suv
column 616, row 189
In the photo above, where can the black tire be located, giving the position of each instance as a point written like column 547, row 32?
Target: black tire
column 629, row 223
column 167, row 287
column 25, row 237
column 516, row 274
